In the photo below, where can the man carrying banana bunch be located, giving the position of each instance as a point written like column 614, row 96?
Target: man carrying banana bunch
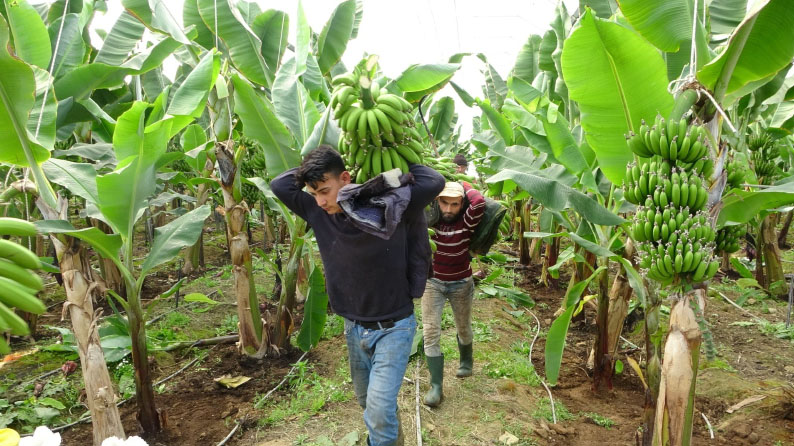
column 461, row 209
column 371, row 277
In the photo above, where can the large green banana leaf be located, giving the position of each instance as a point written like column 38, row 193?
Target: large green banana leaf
column 191, row 96
column 498, row 121
column 192, row 17
column 335, row 35
column 618, row 79
column 315, row 311
column 71, row 50
column 668, row 25
column 177, row 234
column 31, row 39
column 261, row 124
column 760, row 47
column 442, row 118
column 272, row 28
column 557, row 196
column 293, row 105
column 725, row 15
column 121, row 40
column 303, row 40
column 156, row 15
column 740, row 206
column 78, row 178
column 602, row 8
column 325, row 132
column 419, row 80
column 83, row 80
column 244, row 46
column 43, row 116
column 106, row 245
column 123, row 193
column 526, row 66
column 17, row 96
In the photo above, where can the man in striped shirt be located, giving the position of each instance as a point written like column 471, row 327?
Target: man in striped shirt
column 462, row 207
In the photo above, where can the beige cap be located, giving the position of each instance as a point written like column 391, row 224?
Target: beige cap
column 452, row 190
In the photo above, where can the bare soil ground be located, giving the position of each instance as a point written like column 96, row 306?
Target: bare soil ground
column 315, row 406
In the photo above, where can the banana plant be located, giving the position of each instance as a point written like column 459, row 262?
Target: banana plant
column 604, row 49
column 121, row 198
column 24, row 149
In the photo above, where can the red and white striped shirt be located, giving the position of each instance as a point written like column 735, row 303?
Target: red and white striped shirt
column 452, row 261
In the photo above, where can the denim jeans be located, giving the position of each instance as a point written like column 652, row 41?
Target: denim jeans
column 378, row 359
column 460, row 294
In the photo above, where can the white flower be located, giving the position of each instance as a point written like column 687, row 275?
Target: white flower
column 132, row 441
column 42, row 436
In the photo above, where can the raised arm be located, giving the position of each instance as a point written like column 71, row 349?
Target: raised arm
column 427, row 185
column 476, row 209
column 286, row 189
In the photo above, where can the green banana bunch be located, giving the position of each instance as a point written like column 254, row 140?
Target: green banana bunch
column 729, row 237
column 671, row 140
column 763, row 164
column 686, row 255
column 430, row 233
column 736, row 175
column 663, row 185
column 18, row 284
column 671, row 226
column 447, row 168
column 378, row 131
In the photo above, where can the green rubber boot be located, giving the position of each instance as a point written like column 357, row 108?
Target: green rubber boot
column 436, row 366
column 466, row 360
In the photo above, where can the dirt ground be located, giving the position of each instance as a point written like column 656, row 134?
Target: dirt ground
column 503, row 403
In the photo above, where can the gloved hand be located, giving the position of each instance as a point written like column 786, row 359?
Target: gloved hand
column 392, row 177
column 387, row 180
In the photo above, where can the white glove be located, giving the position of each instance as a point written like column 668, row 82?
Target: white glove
column 392, row 177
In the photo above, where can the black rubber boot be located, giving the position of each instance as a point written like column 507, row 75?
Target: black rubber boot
column 436, row 366
column 466, row 360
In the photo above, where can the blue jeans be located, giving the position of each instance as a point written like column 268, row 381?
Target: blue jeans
column 378, row 359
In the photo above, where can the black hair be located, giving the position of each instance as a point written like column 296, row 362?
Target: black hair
column 460, row 160
column 319, row 163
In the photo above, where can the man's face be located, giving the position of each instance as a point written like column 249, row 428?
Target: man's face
column 460, row 169
column 325, row 191
column 450, row 208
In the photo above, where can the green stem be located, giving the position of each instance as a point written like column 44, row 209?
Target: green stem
column 366, row 94
column 683, row 103
column 739, row 40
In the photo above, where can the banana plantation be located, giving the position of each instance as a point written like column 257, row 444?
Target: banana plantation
column 152, row 284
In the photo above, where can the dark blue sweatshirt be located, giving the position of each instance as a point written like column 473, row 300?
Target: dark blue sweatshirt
column 368, row 278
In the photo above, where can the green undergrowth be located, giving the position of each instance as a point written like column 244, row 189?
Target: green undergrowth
column 309, row 393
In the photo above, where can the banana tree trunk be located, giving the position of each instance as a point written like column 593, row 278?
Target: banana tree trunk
column 549, row 260
column 769, row 251
column 286, row 307
column 252, row 334
column 110, row 272
column 194, row 255
column 79, row 286
column 148, row 415
column 602, row 365
column 619, row 297
column 522, row 225
column 676, row 403
column 269, row 236
column 783, row 235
